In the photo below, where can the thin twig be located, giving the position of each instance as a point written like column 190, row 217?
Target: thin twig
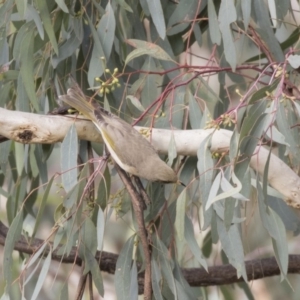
column 81, row 284
column 138, row 210
column 141, row 189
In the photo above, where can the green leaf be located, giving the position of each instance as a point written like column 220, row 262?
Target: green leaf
column 227, row 15
column 6, row 10
column 232, row 246
column 106, row 30
column 93, row 266
column 214, row 31
column 97, row 65
column 136, row 102
column 280, row 246
column 123, row 266
column 185, row 10
column 273, row 14
column 134, row 286
column 157, row 15
column 66, row 49
column 64, row 293
column 265, row 30
column 21, row 7
column 100, row 228
column 195, row 112
column 42, row 276
column 226, row 187
column 124, row 5
column 192, row 243
column 41, row 164
column 23, row 52
column 166, row 265
column 4, row 152
column 104, row 189
column 89, row 234
column 44, row 13
column 42, row 207
column 13, row 234
column 246, row 10
column 284, row 125
column 37, row 255
column 180, row 214
column 205, row 167
column 62, row 5
column 274, row 225
column 146, row 48
column 172, row 152
column 156, row 278
column 69, row 159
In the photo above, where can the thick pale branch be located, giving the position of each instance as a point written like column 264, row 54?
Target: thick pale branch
column 47, row 129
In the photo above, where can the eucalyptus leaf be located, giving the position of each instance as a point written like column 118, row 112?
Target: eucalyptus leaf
column 123, row 267
column 69, row 149
column 157, row 15
column 180, row 214
column 146, row 48
column 42, row 276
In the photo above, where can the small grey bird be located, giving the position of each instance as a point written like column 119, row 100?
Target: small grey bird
column 130, row 150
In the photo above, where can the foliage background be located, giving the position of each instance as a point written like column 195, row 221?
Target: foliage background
column 161, row 85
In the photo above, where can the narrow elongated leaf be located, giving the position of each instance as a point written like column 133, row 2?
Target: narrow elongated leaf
column 44, row 13
column 36, row 256
column 100, row 228
column 180, row 214
column 156, row 278
column 246, row 9
column 42, row 207
column 195, row 113
column 62, row 5
column 227, row 15
column 232, row 246
column 146, row 48
column 185, row 10
column 23, row 51
column 69, row 159
column 166, row 265
column 265, row 30
column 89, row 235
column 93, row 266
column 134, row 287
column 205, row 168
column 13, row 234
column 106, row 30
column 66, row 49
column 157, row 15
column 214, row 31
column 64, row 293
column 275, row 227
column 192, row 243
column 272, row 10
column 280, row 246
column 97, row 64
column 42, row 276
column 172, row 152
column 123, row 267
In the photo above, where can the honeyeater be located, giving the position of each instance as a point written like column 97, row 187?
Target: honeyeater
column 130, row 150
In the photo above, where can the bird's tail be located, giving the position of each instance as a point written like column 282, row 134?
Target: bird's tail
column 76, row 99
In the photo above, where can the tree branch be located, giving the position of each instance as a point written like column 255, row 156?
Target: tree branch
column 217, row 275
column 47, row 129
column 137, row 204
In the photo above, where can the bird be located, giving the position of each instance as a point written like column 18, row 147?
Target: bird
column 129, row 149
